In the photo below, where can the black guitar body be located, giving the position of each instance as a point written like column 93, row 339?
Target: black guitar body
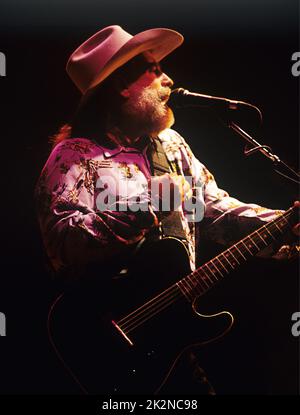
column 112, row 346
column 126, row 334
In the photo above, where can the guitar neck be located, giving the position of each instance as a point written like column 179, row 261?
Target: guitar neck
column 205, row 277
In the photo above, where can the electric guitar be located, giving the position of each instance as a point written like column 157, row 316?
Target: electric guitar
column 129, row 338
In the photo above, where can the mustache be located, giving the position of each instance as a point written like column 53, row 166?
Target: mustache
column 164, row 94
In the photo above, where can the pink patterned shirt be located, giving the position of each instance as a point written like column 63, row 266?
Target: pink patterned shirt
column 76, row 231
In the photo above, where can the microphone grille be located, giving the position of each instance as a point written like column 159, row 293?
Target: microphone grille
column 180, row 91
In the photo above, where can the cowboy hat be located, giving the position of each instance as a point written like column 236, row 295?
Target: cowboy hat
column 107, row 50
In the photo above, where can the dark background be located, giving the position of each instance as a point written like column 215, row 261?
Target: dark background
column 238, row 49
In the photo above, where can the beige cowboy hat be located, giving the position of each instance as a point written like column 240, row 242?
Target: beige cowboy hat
column 107, row 50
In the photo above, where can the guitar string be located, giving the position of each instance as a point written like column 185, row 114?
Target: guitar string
column 156, row 301
column 170, row 293
column 145, row 311
column 153, row 312
column 150, row 301
column 148, row 310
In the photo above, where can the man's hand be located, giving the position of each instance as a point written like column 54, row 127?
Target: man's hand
column 183, row 187
column 169, row 190
column 292, row 250
column 296, row 228
column 287, row 252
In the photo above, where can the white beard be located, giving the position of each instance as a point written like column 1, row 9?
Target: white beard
column 148, row 112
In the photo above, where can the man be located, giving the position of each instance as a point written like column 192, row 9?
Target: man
column 118, row 175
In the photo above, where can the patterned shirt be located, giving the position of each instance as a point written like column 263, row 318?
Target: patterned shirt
column 81, row 176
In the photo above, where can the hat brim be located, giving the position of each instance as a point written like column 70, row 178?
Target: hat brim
column 160, row 42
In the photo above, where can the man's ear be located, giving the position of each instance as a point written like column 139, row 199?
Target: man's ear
column 125, row 93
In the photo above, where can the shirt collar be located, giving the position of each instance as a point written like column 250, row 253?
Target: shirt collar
column 141, row 146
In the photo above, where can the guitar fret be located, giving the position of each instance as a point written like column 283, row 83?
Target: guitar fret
column 206, row 277
column 247, row 247
column 278, row 227
column 203, row 280
column 227, row 260
column 190, row 285
column 217, row 258
column 233, row 256
column 250, row 245
column 269, row 233
column 183, row 290
column 251, row 239
column 196, row 283
column 240, row 252
column 217, row 268
column 261, row 238
column 287, row 222
column 264, row 235
column 199, row 282
column 211, row 272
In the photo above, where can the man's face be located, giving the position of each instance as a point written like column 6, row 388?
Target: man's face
column 146, row 98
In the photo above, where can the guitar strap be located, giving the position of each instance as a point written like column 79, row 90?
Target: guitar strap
column 170, row 224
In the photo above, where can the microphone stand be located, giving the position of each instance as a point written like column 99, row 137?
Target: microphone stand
column 266, row 151
column 185, row 98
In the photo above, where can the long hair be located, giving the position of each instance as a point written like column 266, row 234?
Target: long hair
column 100, row 108
column 97, row 109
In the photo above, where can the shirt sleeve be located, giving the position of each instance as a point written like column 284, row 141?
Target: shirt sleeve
column 228, row 219
column 73, row 229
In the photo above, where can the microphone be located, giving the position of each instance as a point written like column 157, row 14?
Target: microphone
column 182, row 98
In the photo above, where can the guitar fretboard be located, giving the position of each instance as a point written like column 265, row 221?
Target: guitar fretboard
column 205, row 277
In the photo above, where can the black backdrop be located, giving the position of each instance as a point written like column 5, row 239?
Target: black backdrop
column 238, row 49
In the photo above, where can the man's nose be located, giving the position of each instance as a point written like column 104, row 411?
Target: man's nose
column 166, row 80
